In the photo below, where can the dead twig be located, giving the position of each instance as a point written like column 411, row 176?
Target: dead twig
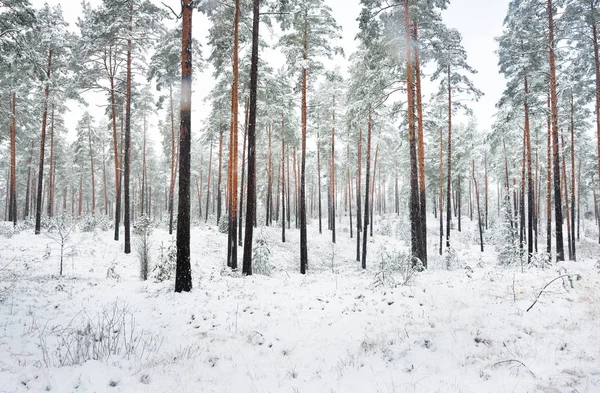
column 514, row 361
column 546, row 286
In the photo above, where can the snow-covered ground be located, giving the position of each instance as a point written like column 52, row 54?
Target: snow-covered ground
column 463, row 330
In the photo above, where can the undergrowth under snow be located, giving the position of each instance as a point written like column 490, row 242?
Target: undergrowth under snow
column 98, row 328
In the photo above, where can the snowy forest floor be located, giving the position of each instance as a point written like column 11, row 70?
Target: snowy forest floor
column 333, row 330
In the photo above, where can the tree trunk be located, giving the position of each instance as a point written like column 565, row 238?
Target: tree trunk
column 241, row 210
column 233, row 214
column 597, row 74
column 566, row 188
column 441, row 202
column 449, row 180
column 38, row 204
column 319, row 181
column 549, row 185
column 415, row 211
column 115, row 151
column 92, row 171
column 13, row 161
column 251, row 196
column 530, row 187
column 303, row 237
column 80, row 205
column 183, row 272
column 28, row 188
column 373, row 189
column 421, row 151
column 208, row 181
column 282, row 181
column 478, row 210
column 127, row 154
column 220, row 175
column 560, row 253
column 332, row 175
column 358, row 195
column 367, row 182
column 572, row 231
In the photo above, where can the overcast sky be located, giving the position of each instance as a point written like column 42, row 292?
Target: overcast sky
column 479, row 21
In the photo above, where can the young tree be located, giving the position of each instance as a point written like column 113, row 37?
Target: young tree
column 452, row 71
column 310, row 28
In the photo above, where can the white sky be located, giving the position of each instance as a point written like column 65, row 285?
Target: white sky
column 479, row 21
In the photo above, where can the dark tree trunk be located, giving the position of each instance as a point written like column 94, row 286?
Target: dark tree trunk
column 358, row 195
column 449, row 180
column 319, row 182
column 208, row 182
column 572, row 231
column 13, row 162
column 441, row 190
column 478, row 209
column 560, row 252
column 38, row 203
column 183, row 272
column 367, row 182
column 332, row 176
column 220, row 174
column 549, row 186
column 282, row 180
column 28, row 188
column 127, row 157
column 415, row 211
column 303, row 237
column 241, row 210
column 420, row 151
column 251, row 197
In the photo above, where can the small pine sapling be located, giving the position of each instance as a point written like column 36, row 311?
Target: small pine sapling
column 142, row 229
column 260, row 256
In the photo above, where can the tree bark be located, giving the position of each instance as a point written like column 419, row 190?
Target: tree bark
column 127, row 154
column 560, row 253
column 549, row 185
column 449, row 180
column 92, row 171
column 415, row 211
column 183, row 271
column 332, row 176
column 303, row 237
column 441, row 202
column 233, row 214
column 420, row 151
column 13, row 162
column 478, row 209
column 367, row 182
column 241, row 209
column 251, row 196
column 38, row 204
column 358, row 195
column 572, row 231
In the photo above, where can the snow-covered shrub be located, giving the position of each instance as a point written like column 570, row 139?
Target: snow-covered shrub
column 224, row 224
column 92, row 223
column 164, row 268
column 260, row 256
column 112, row 332
column 541, row 260
column 393, row 268
column 142, row 229
column 507, row 245
column 386, row 227
column 450, row 258
column 7, row 230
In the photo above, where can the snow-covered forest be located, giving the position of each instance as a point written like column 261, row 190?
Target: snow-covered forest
column 221, row 196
